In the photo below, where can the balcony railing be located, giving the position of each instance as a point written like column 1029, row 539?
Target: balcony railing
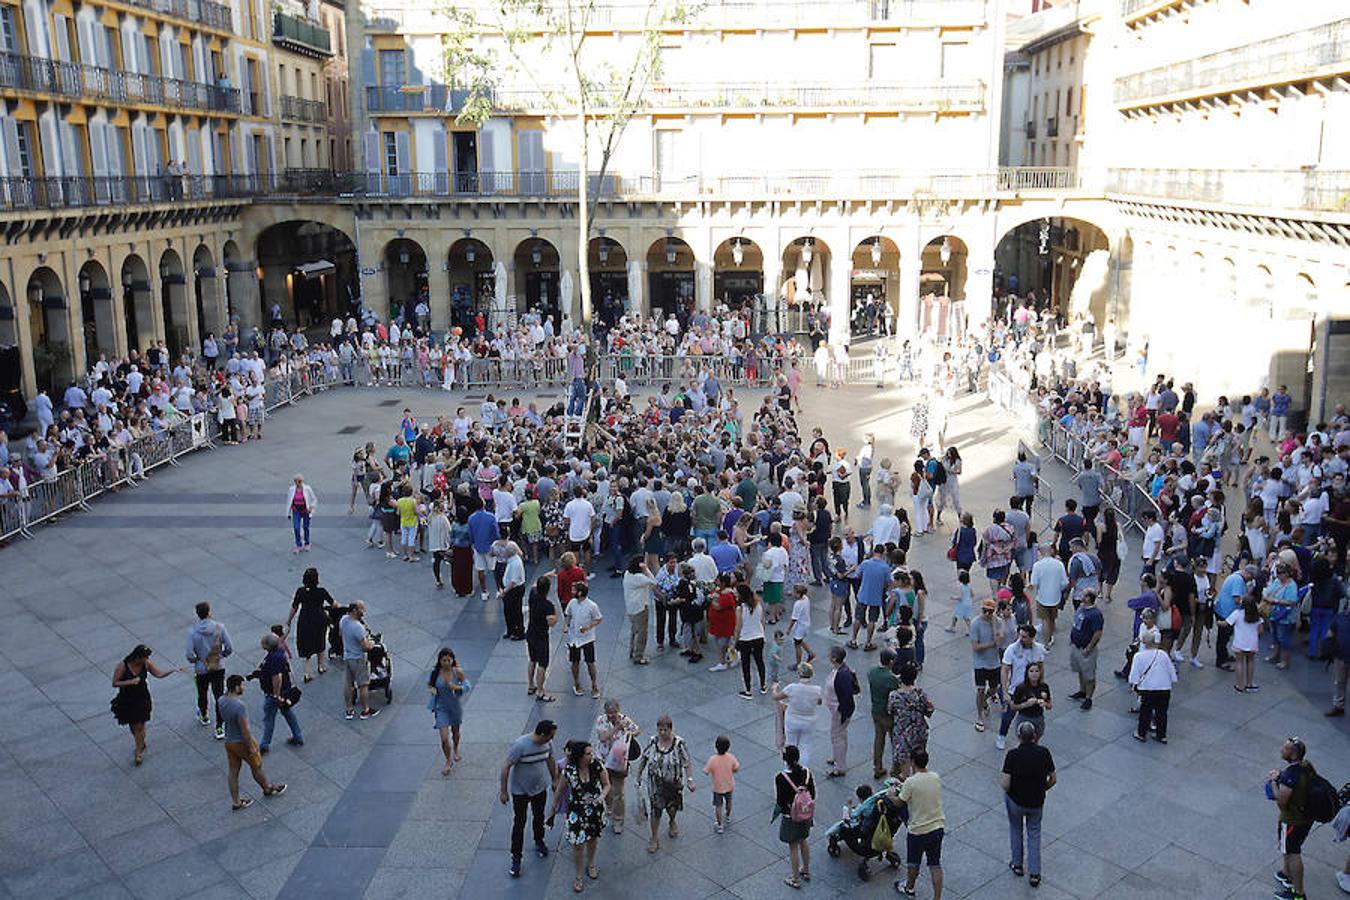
column 299, row 109
column 1323, row 190
column 300, row 35
column 203, row 12
column 18, row 194
column 769, row 95
column 414, row 98
column 732, row 14
column 48, row 76
column 1290, row 57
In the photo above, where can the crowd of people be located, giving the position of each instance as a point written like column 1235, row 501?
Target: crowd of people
column 725, row 522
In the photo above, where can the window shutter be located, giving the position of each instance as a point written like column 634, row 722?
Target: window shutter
column 401, row 152
column 98, row 149
column 10, row 129
column 487, row 165
column 139, row 150
column 367, row 66
column 72, row 162
column 194, row 151
column 88, row 41
column 440, row 162
column 62, row 35
column 372, row 156
column 130, row 59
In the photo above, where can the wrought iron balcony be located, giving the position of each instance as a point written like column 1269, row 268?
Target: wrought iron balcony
column 769, row 95
column 48, row 76
column 414, row 98
column 1323, row 190
column 18, row 194
column 203, row 12
column 1315, row 52
column 300, row 35
column 298, row 109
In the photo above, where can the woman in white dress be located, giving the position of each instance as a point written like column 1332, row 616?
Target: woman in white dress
column 922, row 493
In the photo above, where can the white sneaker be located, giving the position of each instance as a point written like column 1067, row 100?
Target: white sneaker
column 1000, row 742
column 720, row 667
column 1178, row 656
column 1343, row 880
column 1196, row 664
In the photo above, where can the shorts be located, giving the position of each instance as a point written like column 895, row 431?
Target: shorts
column 574, row 654
column 482, row 562
column 917, row 846
column 356, row 672
column 997, row 573
column 407, row 535
column 773, row 593
column 1083, row 663
column 1289, row 838
column 538, row 652
column 581, row 546
column 866, row 613
column 1090, row 513
column 721, row 799
column 247, row 754
column 988, row 678
column 1283, row 633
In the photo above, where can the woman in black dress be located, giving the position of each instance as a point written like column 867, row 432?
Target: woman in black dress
column 312, row 603
column 132, row 705
column 1108, row 551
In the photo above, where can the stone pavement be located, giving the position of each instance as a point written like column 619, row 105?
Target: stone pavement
column 368, row 814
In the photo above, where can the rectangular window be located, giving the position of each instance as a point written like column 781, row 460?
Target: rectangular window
column 25, row 151
column 393, row 71
column 9, row 40
column 390, row 153
column 883, row 62
column 955, row 62
column 1068, row 101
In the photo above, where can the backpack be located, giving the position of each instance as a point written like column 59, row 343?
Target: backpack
column 939, row 473
column 212, row 661
column 803, row 807
column 1320, row 800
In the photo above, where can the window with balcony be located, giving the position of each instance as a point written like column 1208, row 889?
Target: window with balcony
column 9, row 37
column 23, row 143
column 391, row 153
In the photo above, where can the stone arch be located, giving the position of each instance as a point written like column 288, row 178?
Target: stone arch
column 874, row 285
column 137, row 302
column 178, row 318
column 206, row 293
column 538, row 268
column 472, row 271
column 1066, row 260
column 97, row 319
column 609, row 262
column 672, row 276
column 405, row 267
column 49, row 329
column 305, row 268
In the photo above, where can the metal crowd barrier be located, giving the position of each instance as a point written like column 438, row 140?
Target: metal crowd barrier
column 1119, row 491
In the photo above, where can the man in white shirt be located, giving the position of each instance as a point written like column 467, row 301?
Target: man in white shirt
column 1013, row 670
column 1314, row 505
column 789, row 501
column 1049, row 581
column 580, row 516
column 705, row 567
column 504, row 506
column 1151, row 547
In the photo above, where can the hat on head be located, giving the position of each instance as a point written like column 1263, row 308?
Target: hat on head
column 988, row 603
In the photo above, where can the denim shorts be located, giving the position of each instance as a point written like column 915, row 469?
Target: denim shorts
column 408, row 534
column 1284, row 633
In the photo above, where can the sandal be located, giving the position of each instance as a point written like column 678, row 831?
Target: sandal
column 653, row 845
column 578, row 885
column 308, row 679
column 529, row 691
column 593, row 872
column 979, row 726
column 805, row 876
column 792, row 883
column 1034, row 881
column 245, row 803
column 545, row 698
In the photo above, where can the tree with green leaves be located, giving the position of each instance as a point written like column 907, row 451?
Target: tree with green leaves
column 562, row 50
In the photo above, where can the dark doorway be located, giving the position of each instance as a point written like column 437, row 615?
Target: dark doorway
column 466, row 162
column 671, row 292
column 541, row 296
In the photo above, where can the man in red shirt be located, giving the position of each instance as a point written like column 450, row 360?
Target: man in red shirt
column 1168, row 427
column 722, row 620
column 569, row 574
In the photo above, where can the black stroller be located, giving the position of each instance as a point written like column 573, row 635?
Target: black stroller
column 858, row 830
column 381, row 668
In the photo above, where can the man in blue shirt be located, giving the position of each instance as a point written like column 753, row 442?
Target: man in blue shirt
column 874, row 577
column 1226, row 602
column 483, row 533
column 399, row 454
column 1200, row 434
column 726, row 554
column 1279, row 413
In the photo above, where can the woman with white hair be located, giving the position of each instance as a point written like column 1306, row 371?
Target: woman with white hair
column 300, row 504
column 886, row 528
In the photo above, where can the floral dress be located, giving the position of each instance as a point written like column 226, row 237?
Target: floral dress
column 919, row 428
column 664, row 775
column 586, row 814
column 799, row 561
column 909, row 730
column 552, row 515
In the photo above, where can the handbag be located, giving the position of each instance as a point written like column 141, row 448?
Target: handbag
column 951, row 553
column 292, row 695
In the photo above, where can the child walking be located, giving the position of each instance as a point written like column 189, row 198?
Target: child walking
column 722, row 768
column 964, row 602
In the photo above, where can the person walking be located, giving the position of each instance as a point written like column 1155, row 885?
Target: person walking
column 615, row 741
column 985, row 634
column 446, row 685
column 1152, row 675
column 667, row 769
column 863, row 464
column 132, row 706
column 909, row 708
column 1028, row 772
column 312, row 603
column 525, row 778
column 275, row 682
column 588, row 789
column 240, row 747
column 1340, row 630
column 922, row 793
column 1031, row 698
column 208, row 645
column 874, row 584
column 513, row 593
column 356, row 641
column 543, row 615
column 841, row 686
column 1050, row 583
column 582, row 619
column 801, row 699
column 1013, row 671
column 795, row 802
column 300, row 506
column 1288, row 788
column 1084, row 636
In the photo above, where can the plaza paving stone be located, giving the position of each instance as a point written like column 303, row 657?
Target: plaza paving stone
column 368, row 814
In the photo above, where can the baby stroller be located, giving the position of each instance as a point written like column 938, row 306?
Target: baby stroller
column 858, row 830
column 381, row 668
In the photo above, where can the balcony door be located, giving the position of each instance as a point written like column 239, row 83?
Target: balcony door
column 533, row 167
